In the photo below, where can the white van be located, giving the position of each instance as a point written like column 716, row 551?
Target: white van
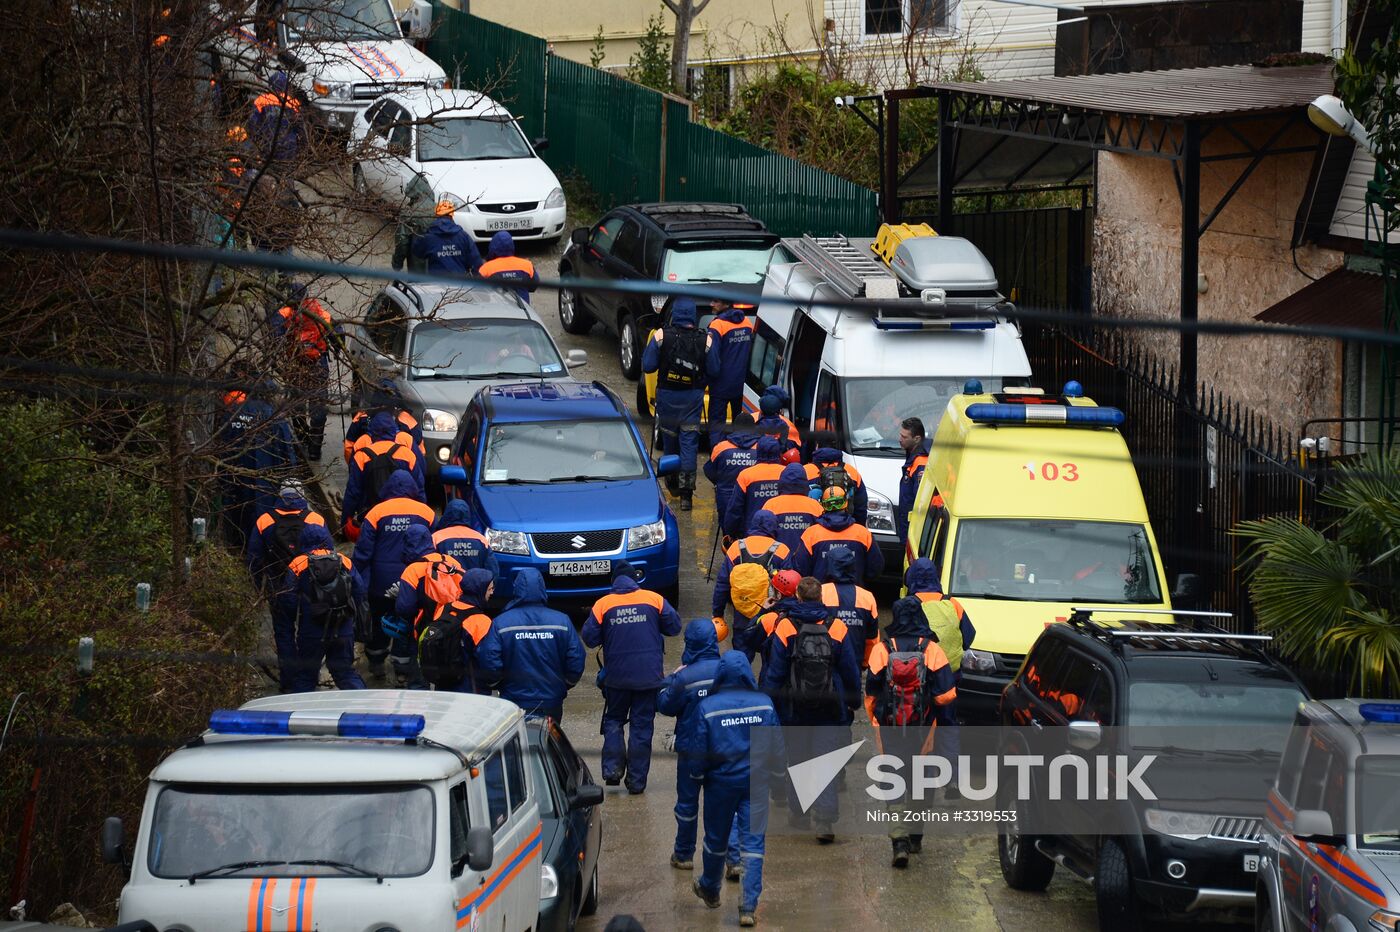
column 339, row 57
column 367, row 810
column 927, row 321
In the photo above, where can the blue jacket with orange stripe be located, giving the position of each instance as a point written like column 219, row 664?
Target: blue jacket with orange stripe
column 631, row 624
column 296, row 588
column 794, row 509
column 910, row 475
column 455, row 537
column 833, row 529
column 727, row 362
column 730, row 456
column 753, row 486
column 504, row 266
column 380, row 553
column 854, row 605
column 845, row 676
column 906, row 630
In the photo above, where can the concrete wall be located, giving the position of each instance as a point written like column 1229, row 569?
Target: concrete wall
column 728, row 29
column 1247, row 262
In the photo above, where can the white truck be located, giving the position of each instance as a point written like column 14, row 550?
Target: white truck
column 338, row 55
column 923, row 324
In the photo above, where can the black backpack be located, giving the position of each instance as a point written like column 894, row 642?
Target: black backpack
column 442, row 650
column 682, row 358
column 331, row 600
column 377, row 470
column 812, row 668
column 282, row 544
column 904, row 700
column 835, row 476
column 764, row 559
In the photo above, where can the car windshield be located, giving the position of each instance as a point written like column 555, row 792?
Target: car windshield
column 347, row 19
column 1034, row 560
column 874, row 408
column 471, row 139
column 1221, row 711
column 1378, row 801
column 561, row 451
column 739, row 264
column 364, row 830
column 482, row 349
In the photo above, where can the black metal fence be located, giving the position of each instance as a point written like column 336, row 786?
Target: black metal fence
column 1204, row 467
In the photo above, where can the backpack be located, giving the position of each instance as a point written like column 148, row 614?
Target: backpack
column 834, row 476
column 812, row 668
column 282, row 543
column 764, row 559
column 904, row 699
column 943, row 621
column 377, row 470
column 682, row 358
column 441, row 648
column 331, row 599
column 442, row 583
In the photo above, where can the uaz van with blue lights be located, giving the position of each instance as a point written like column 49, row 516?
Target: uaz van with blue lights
column 373, row 810
column 559, row 478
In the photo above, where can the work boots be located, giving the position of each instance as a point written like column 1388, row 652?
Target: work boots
column 901, row 853
column 687, row 489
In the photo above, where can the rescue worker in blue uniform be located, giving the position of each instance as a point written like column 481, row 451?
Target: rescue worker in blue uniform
column 726, row 364
column 723, row 744
column 793, row 506
column 271, row 550
column 922, row 582
column 678, row 698
column 760, row 546
column 325, row 630
column 382, row 554
column 631, row 624
column 753, row 487
column 731, row 456
column 830, row 458
column 456, row 535
column 504, row 266
column 771, row 419
column 836, row 528
column 532, row 654
column 916, row 449
column 257, row 450
column 361, row 469
column 852, row 602
column 676, row 353
column 446, row 248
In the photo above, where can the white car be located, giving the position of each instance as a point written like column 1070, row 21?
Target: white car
column 339, row 57
column 463, row 145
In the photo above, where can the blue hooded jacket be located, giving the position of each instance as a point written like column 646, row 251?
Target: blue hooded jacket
column 727, row 361
column 845, row 675
column 296, row 590
column 742, row 506
column 794, row 517
column 381, row 552
column 857, row 495
column 265, row 571
column 921, row 579
column 682, row 316
column 357, row 498
column 763, row 524
column 631, row 624
column 463, row 541
column 447, row 249
column 259, row 444
column 519, row 273
column 692, row 682
column 719, row 733
column 731, row 456
column 844, row 581
column 533, row 654
column 809, row 558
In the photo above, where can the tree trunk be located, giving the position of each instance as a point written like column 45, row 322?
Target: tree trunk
column 680, row 48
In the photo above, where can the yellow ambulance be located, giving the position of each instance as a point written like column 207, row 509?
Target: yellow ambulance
column 1030, row 506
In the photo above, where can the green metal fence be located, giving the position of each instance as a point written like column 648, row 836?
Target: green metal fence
column 631, row 143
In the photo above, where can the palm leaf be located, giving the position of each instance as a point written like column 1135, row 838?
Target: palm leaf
column 1367, row 492
column 1370, row 641
column 1302, row 587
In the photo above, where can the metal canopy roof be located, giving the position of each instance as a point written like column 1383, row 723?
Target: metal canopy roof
column 1187, row 93
column 990, row 162
column 1341, row 298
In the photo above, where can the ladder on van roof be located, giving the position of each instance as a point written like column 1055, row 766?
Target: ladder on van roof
column 856, row 272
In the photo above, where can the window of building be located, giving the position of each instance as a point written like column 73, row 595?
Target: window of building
column 897, row 17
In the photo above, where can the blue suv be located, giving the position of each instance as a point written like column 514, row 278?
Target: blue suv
column 558, row 475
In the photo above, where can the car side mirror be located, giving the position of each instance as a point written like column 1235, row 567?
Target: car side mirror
column 1315, row 825
column 541, row 143
column 579, row 236
column 586, row 797
column 113, row 841
column 1189, row 591
column 386, row 366
column 669, row 465
column 576, row 358
column 481, row 851
column 452, row 474
column 1085, row 735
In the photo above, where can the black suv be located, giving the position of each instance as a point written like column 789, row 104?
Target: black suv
column 1195, row 696
column 675, row 243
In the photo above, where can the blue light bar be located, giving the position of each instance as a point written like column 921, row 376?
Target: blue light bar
column 1071, row 416
column 897, row 323
column 1384, row 712
column 341, row 724
column 972, row 387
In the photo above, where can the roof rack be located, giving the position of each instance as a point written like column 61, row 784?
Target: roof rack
column 1200, row 633
column 690, row 207
column 852, row 270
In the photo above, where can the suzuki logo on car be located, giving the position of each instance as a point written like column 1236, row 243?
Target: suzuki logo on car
column 507, row 208
column 578, row 540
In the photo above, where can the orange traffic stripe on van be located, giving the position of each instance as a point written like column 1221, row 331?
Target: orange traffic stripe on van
column 263, row 916
column 486, row 894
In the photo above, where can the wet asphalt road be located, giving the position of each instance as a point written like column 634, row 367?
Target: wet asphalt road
column 955, row 884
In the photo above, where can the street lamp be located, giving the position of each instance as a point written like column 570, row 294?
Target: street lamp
column 1330, row 115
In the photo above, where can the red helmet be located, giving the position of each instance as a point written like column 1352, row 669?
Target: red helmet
column 785, row 582
column 791, row 455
